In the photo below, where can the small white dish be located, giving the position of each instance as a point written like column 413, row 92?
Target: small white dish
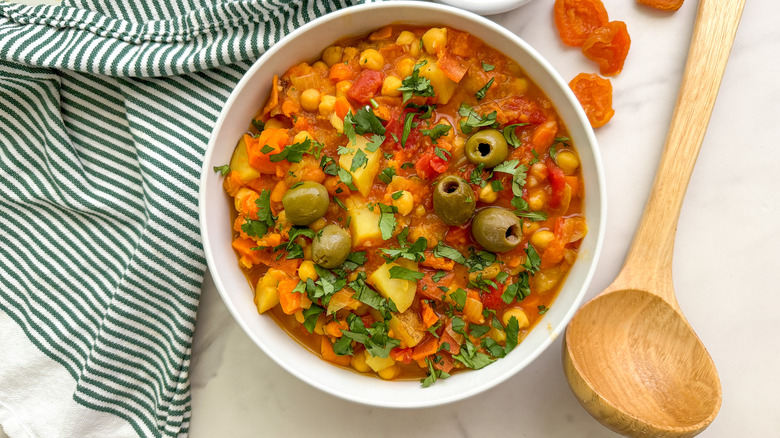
column 485, row 7
column 307, row 43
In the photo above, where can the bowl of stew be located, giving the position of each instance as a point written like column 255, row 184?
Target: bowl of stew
column 402, row 212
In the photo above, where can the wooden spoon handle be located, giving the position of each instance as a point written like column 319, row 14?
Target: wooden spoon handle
column 650, row 256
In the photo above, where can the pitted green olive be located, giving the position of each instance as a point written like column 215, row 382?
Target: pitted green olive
column 331, row 247
column 453, row 200
column 306, row 202
column 487, row 147
column 496, row 229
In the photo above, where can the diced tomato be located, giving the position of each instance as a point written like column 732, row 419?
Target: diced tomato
column 492, row 298
column 458, row 235
column 401, row 355
column 395, row 130
column 429, row 288
column 366, row 86
column 367, row 319
column 430, row 165
column 446, row 337
column 557, row 183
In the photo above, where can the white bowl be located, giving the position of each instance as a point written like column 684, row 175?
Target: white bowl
column 250, row 94
column 486, row 7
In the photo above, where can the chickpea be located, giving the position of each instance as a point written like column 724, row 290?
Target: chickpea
column 390, row 86
column 320, row 66
column 405, row 67
column 332, row 55
column 273, row 124
column 327, row 103
column 302, row 136
column 372, row 59
column 567, row 161
column 310, row 100
column 405, row 38
column 349, row 54
column 530, row 227
column 539, row 171
column 389, row 373
column 522, row 318
column 358, row 362
column 537, row 200
column 487, row 194
column 405, row 203
column 318, row 224
column 434, row 40
column 541, row 239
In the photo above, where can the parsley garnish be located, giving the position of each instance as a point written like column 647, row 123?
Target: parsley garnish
column 511, row 137
column 310, row 316
column 438, row 276
column 472, row 358
column 442, row 250
column 293, row 153
column 416, row 85
column 413, row 252
column 364, row 121
column 436, row 132
column 265, row 219
column 386, row 175
column 224, row 169
column 329, row 165
column 376, row 339
column 402, row 273
column 433, row 374
column 346, row 178
column 488, row 67
column 472, row 119
column 482, row 91
column 359, row 160
column 387, row 220
column 258, row 124
column 459, row 297
column 542, row 309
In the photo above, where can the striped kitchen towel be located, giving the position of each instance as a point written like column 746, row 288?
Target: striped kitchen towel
column 106, row 107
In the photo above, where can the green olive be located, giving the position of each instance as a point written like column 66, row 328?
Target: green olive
column 487, row 147
column 497, row 229
column 331, row 247
column 306, row 202
column 453, row 200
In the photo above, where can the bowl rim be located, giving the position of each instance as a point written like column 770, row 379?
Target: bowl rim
column 599, row 190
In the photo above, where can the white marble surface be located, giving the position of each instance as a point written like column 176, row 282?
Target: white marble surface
column 726, row 262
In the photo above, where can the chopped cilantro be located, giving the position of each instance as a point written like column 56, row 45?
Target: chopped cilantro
column 224, row 169
column 482, row 91
column 407, row 165
column 413, row 252
column 402, row 273
column 512, row 332
column 517, row 290
column 258, row 124
column 293, row 153
column 436, row 132
column 387, row 220
column 488, row 67
column 375, row 142
column 496, row 185
column 415, row 85
column 471, row 358
column 346, row 178
column 472, row 119
column 354, row 260
column 408, row 119
column 532, row 260
column 478, row 331
column 387, row 174
column 364, row 121
column 397, row 194
column 479, row 260
column 459, row 297
column 442, row 153
column 542, row 309
column 442, row 250
column 433, row 374
column 329, row 165
column 265, row 219
column 359, row 160
column 310, row 316
column 438, row 276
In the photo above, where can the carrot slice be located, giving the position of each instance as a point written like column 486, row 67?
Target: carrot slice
column 326, row 349
column 290, row 301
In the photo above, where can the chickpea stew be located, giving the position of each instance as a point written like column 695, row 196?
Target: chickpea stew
column 408, row 205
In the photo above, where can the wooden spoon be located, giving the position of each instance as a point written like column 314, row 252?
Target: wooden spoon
column 630, row 356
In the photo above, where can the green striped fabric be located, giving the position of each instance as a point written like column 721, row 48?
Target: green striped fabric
column 105, row 111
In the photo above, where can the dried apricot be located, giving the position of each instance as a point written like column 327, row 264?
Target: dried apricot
column 664, row 5
column 576, row 19
column 608, row 46
column 595, row 96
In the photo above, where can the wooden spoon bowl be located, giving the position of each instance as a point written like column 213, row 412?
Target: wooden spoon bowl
column 630, row 356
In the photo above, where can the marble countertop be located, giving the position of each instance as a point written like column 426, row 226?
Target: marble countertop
column 726, row 258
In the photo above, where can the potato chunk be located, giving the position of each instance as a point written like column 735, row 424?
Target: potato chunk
column 407, row 327
column 239, row 163
column 443, row 86
column 363, row 223
column 400, row 291
column 362, row 177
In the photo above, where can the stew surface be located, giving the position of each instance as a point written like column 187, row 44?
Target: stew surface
column 408, row 205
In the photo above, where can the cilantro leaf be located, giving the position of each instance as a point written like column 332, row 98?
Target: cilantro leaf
column 375, row 142
column 293, row 153
column 408, row 119
column 488, row 67
column 438, row 276
column 359, row 160
column 532, row 260
column 402, row 273
column 482, row 91
column 472, row 119
column 436, row 132
column 459, row 296
column 387, row 220
column 511, row 137
column 442, row 250
column 478, row 331
column 387, row 174
column 415, row 85
column 258, row 124
column 224, row 169
column 413, row 252
column 517, row 290
column 346, row 178
column 310, row 316
column 433, row 374
column 329, row 165
column 512, row 333
column 265, row 219
column 542, row 309
column 479, row 260
column 471, row 358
